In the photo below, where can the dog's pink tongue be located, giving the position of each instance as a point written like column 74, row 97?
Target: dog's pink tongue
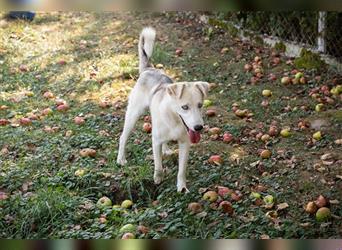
column 195, row 136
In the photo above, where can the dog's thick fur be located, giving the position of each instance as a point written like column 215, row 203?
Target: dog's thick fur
column 175, row 110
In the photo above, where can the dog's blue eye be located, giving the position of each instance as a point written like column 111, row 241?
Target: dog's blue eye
column 200, row 105
column 185, row 107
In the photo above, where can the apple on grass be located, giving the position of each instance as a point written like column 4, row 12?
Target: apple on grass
column 195, row 207
column 323, row 214
column 267, row 93
column 128, row 228
column 317, row 136
column 127, row 204
column 215, row 159
column 128, row 236
column 104, row 202
column 210, row 196
column 285, row 132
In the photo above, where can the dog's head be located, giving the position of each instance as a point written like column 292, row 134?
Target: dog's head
column 187, row 103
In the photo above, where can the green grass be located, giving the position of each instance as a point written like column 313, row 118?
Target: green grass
column 38, row 162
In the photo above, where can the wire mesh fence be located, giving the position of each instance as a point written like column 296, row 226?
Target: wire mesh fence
column 320, row 31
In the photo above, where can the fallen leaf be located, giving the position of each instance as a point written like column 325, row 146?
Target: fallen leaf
column 282, row 206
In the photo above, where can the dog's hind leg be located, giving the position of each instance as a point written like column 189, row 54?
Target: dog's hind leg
column 134, row 111
column 183, row 160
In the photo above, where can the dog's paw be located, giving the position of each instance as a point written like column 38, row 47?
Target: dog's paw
column 158, row 177
column 121, row 161
column 182, row 189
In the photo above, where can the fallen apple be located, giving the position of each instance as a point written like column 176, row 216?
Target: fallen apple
column 47, row 111
column 299, row 75
column 207, row 103
column 214, row 131
column 265, row 137
column 179, row 52
column 128, row 228
column 63, row 107
column 211, row 112
column 128, row 236
column 268, row 199
column 317, row 136
column 255, row 195
column 226, row 207
column 147, row 118
column 323, row 214
column 321, row 201
column 25, row 121
column 311, row 207
column 79, row 120
column 319, row 107
column 285, row 80
column 195, row 207
column 147, row 127
column 241, row 113
column 4, row 107
column 266, row 93
column 228, row 137
column 215, row 159
column 127, row 204
column 285, row 132
column 4, row 122
column 302, row 80
column 273, row 131
column 224, row 191
column 159, row 66
column 265, row 154
column 48, row 95
column 104, row 202
column 210, row 196
column 248, row 67
column 236, row 196
column 88, row 152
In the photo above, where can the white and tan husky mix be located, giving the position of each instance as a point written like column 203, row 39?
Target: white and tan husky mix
column 176, row 111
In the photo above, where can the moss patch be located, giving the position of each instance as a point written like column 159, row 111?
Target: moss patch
column 309, row 60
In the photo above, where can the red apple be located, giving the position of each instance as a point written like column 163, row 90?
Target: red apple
column 79, row 120
column 25, row 121
column 48, row 95
column 195, row 207
column 63, row 107
column 147, row 127
column 228, row 137
column 226, row 207
column 211, row 112
column 215, row 159
column 224, row 191
column 4, row 122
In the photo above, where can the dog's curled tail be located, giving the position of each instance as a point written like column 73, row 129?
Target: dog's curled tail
column 146, row 43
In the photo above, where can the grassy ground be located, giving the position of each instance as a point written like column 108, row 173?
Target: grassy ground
column 90, row 60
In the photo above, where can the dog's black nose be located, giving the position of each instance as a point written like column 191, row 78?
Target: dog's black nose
column 198, row 127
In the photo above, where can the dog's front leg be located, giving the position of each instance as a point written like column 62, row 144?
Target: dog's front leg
column 183, row 160
column 157, row 155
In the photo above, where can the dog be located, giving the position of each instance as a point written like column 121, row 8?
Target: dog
column 176, row 111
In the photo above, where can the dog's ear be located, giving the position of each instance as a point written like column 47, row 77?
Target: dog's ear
column 176, row 90
column 203, row 87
